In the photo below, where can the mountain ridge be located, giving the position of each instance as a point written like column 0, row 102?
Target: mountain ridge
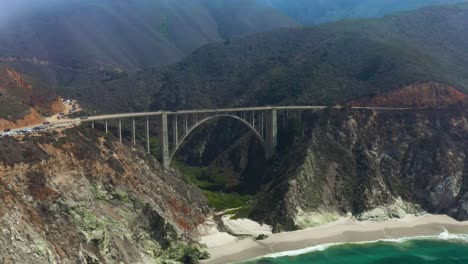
column 310, row 12
column 120, row 35
column 327, row 64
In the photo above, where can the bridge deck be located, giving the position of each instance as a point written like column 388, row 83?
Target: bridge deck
column 231, row 110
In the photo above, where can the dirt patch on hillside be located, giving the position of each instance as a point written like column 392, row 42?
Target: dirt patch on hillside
column 430, row 94
column 30, row 119
column 57, row 106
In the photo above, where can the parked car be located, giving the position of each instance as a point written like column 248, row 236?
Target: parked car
column 7, row 130
column 39, row 128
column 46, row 123
column 84, row 117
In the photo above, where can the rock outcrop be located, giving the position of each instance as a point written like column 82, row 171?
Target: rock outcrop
column 374, row 165
column 79, row 197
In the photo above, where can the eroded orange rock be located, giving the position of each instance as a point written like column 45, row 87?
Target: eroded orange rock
column 30, row 119
column 429, row 94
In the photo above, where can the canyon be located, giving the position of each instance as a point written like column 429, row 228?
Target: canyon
column 80, row 195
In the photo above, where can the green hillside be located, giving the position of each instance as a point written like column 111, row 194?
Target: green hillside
column 326, row 64
column 309, row 12
column 119, row 34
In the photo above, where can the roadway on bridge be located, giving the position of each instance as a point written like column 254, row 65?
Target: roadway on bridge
column 231, row 110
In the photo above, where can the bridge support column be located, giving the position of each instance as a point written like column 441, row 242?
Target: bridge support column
column 133, row 131
column 262, row 126
column 107, row 130
column 271, row 139
column 176, row 132
column 253, row 119
column 164, row 144
column 147, row 135
column 120, row 131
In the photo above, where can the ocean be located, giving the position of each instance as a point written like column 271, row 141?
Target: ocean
column 444, row 248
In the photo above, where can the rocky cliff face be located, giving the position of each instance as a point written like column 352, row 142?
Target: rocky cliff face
column 79, row 197
column 375, row 165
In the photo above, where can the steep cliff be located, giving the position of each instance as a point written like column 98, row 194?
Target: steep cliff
column 375, row 165
column 78, row 196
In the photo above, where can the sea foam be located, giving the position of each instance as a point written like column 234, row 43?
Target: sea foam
column 444, row 236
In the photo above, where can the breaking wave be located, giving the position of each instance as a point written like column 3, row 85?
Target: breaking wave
column 444, row 236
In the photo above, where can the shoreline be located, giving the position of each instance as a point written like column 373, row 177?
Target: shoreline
column 225, row 248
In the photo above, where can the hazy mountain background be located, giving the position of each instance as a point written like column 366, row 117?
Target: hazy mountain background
column 327, row 64
column 129, row 35
column 250, row 51
column 309, row 12
column 123, row 34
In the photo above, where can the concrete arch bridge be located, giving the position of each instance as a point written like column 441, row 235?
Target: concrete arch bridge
column 174, row 127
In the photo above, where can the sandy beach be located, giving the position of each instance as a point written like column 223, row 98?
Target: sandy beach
column 225, row 248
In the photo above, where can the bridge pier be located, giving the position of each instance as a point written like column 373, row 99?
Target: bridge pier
column 253, row 119
column 175, row 132
column 147, row 135
column 262, row 126
column 120, row 131
column 133, row 131
column 164, row 141
column 271, row 139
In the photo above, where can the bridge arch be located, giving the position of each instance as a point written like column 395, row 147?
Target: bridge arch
column 218, row 116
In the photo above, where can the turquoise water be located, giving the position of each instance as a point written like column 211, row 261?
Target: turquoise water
column 442, row 249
